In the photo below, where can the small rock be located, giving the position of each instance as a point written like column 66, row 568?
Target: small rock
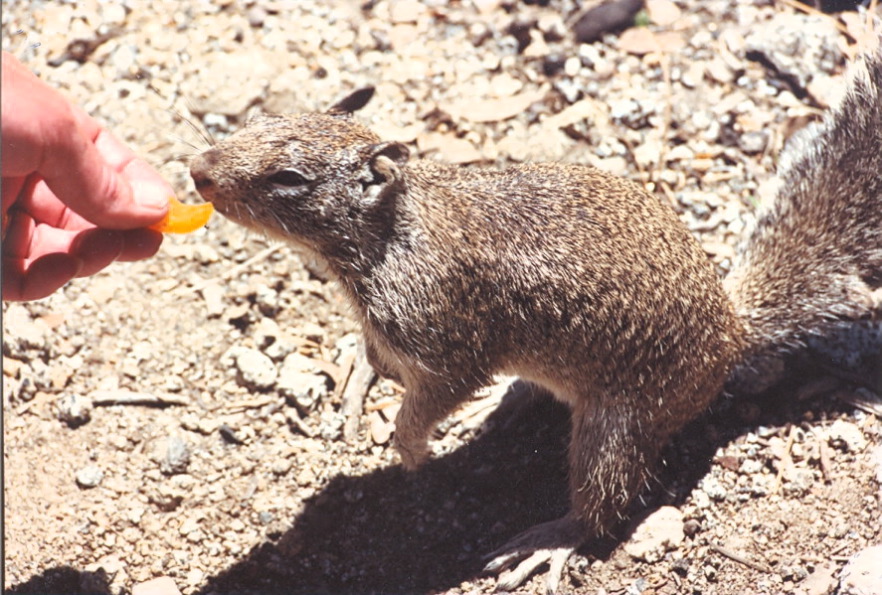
column 265, row 517
column 229, row 434
column 281, row 467
column 75, row 410
column 799, row 482
column 720, row 71
column 713, row 488
column 660, row 532
column 863, row 573
column 406, row 11
column 162, row 585
column 821, row 581
column 21, row 331
column 798, row 46
column 166, row 497
column 189, row 525
column 607, row 17
column 255, row 370
column 267, row 300
column 195, row 576
column 311, row 331
column 663, row 12
column 331, row 425
column 266, row 333
column 300, row 382
column 89, row 477
column 753, row 142
column 177, row 456
column 846, row 434
column 381, row 430
column 256, row 16
column 691, row 527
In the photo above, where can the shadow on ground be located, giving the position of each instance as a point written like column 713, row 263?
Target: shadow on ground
column 389, row 531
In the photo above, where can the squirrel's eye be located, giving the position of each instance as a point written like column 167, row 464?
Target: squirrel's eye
column 289, row 177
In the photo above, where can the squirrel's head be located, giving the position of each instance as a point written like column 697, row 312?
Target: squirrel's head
column 318, row 179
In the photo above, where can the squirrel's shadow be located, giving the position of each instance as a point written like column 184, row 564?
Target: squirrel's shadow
column 390, row 531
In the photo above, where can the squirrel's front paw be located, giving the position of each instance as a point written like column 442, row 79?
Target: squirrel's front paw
column 413, row 452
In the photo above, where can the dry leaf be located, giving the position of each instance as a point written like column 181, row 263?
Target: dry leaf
column 449, row 148
column 640, row 41
column 663, row 12
column 495, row 110
column 584, row 109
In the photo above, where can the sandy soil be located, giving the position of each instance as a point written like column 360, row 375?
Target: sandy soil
column 181, row 417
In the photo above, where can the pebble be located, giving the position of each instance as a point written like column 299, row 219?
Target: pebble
column 332, row 425
column 90, row 476
column 281, row 467
column 380, row 428
column 255, row 370
column 74, row 409
column 797, row 45
column 177, row 456
column 163, row 585
column 713, row 488
column 862, row 575
column 300, row 383
column 660, row 532
column 847, row 436
column 21, row 332
column 821, row 580
column 753, row 142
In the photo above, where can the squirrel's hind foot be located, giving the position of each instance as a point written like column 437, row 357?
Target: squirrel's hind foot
column 552, row 543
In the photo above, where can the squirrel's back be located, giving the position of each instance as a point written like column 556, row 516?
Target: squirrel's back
column 810, row 274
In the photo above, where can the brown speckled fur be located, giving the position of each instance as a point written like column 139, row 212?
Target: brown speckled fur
column 813, row 264
column 572, row 278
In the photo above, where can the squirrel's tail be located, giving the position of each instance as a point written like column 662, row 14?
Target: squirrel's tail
column 809, row 277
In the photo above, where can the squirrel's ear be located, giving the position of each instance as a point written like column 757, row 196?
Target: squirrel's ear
column 396, row 152
column 386, row 159
column 381, row 170
column 352, row 102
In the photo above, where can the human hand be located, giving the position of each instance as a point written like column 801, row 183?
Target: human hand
column 74, row 198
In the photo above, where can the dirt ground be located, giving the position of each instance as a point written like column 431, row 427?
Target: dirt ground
column 182, row 417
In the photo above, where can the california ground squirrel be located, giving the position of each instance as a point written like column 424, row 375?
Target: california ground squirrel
column 571, row 278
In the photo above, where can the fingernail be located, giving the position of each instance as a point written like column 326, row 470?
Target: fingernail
column 151, row 194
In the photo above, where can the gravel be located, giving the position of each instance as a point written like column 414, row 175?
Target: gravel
column 198, row 395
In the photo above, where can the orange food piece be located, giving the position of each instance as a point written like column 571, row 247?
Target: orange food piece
column 183, row 218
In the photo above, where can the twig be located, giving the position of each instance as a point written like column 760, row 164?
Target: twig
column 358, row 382
column 740, row 559
column 786, row 460
column 382, row 404
column 117, row 397
column 252, row 404
column 824, row 460
column 296, row 423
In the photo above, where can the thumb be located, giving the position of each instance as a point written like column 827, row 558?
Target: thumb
column 103, row 180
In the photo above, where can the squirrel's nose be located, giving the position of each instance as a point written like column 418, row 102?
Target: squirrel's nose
column 200, row 168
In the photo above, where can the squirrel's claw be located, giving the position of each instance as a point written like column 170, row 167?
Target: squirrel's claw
column 552, row 543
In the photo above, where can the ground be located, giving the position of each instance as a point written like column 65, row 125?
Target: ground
column 182, row 416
